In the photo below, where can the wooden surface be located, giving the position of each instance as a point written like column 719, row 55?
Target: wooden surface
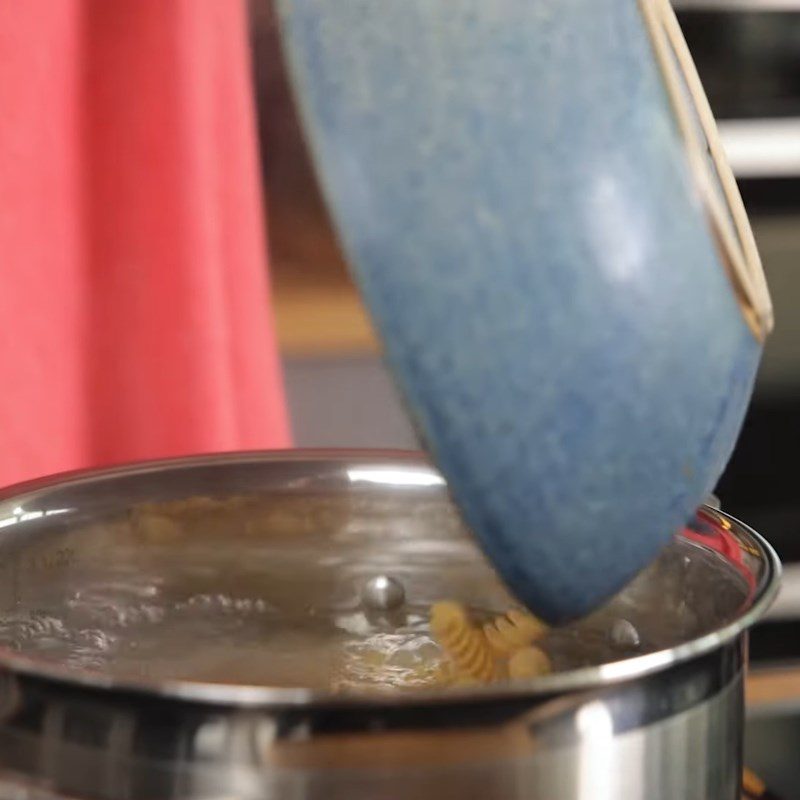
column 317, row 308
column 313, row 320
column 770, row 687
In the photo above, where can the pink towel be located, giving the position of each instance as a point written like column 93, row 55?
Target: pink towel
column 134, row 305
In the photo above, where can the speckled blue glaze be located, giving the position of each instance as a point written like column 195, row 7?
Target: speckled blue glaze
column 513, row 193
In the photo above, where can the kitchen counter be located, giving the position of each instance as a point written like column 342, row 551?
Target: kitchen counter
column 773, row 687
column 772, row 729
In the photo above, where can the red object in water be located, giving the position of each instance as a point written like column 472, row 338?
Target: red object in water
column 708, row 532
column 134, row 309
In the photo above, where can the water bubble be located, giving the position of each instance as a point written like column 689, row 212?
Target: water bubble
column 97, row 639
column 623, row 635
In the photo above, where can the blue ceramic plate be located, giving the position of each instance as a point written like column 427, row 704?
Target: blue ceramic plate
column 536, row 208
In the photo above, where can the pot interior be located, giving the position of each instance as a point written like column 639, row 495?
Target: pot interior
column 261, row 570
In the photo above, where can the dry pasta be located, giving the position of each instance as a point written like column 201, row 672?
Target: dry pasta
column 472, row 653
column 465, row 644
column 501, row 648
column 512, row 630
column 529, row 662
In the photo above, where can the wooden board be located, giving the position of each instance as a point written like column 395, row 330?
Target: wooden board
column 773, row 686
column 317, row 308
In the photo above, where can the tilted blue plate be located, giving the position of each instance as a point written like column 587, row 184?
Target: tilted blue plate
column 534, row 202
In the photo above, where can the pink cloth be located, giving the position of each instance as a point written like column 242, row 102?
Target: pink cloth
column 134, row 308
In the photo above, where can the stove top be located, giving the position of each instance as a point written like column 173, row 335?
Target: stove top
column 772, row 740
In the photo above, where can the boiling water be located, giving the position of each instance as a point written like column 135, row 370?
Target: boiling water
column 287, row 611
column 133, row 630
column 223, row 638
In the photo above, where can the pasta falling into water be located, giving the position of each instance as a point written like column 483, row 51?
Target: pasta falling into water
column 465, row 645
column 471, row 653
column 515, row 629
column 528, row 662
column 499, row 649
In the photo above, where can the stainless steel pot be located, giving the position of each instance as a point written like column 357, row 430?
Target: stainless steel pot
column 132, row 705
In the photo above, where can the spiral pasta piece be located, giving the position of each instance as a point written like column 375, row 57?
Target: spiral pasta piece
column 463, row 643
column 513, row 630
column 528, row 662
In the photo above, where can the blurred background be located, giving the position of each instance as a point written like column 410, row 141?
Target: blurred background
column 748, row 56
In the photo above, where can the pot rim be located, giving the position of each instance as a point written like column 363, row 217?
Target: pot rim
column 582, row 679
